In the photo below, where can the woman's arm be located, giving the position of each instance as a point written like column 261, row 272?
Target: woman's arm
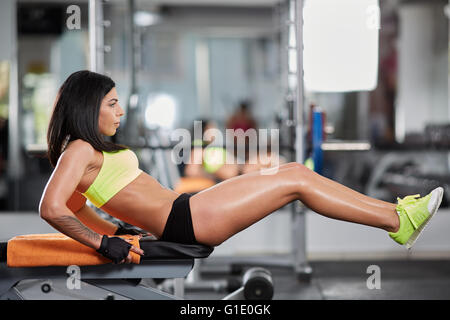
column 92, row 220
column 88, row 216
column 62, row 184
column 60, row 196
column 66, row 222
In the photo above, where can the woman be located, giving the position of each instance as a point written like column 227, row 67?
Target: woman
column 87, row 108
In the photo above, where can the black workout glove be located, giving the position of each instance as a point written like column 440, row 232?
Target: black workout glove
column 114, row 248
column 121, row 230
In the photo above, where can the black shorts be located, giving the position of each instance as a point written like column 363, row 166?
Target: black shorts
column 179, row 226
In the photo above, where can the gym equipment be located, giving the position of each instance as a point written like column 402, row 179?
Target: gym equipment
column 407, row 172
column 157, row 160
column 97, row 25
column 293, row 125
column 293, row 130
column 257, row 285
column 317, row 139
column 165, row 260
column 112, row 278
column 127, row 281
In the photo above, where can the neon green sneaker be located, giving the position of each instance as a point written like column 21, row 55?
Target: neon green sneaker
column 414, row 215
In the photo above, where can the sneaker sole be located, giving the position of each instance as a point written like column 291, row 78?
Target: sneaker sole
column 419, row 230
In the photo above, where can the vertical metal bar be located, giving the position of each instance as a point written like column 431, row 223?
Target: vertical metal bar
column 15, row 165
column 178, row 287
column 299, row 110
column 92, row 36
column 202, row 72
column 447, row 13
column 132, row 122
column 302, row 268
column 132, row 10
column 363, row 110
column 96, row 45
column 100, row 53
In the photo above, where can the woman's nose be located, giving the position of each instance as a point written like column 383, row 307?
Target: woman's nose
column 121, row 112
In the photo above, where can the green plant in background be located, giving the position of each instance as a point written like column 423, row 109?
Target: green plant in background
column 39, row 92
column 4, row 89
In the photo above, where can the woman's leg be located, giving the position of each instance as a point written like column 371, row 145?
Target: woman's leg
column 351, row 192
column 234, row 204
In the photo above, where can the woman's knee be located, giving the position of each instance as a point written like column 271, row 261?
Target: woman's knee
column 298, row 172
column 296, row 167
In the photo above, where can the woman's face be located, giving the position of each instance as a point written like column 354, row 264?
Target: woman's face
column 110, row 113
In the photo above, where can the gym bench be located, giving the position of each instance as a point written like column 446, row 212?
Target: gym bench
column 162, row 260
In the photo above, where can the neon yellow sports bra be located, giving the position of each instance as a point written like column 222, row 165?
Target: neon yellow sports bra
column 118, row 170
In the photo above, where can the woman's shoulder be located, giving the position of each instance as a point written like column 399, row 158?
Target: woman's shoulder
column 80, row 145
column 80, row 149
column 78, row 153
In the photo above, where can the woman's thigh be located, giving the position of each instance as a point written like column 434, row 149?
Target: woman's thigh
column 234, row 204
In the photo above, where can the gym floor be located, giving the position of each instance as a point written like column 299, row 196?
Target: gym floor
column 350, row 280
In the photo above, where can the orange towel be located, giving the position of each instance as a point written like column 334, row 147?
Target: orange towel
column 56, row 249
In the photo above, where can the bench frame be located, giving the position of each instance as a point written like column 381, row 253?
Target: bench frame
column 110, row 277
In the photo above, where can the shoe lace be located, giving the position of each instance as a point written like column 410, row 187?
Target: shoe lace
column 408, row 200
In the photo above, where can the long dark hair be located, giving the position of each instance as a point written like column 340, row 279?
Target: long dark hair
column 76, row 111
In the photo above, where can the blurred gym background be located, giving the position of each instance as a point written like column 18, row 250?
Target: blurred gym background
column 175, row 62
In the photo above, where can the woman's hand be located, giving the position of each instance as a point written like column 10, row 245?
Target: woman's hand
column 117, row 249
column 129, row 258
column 122, row 230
